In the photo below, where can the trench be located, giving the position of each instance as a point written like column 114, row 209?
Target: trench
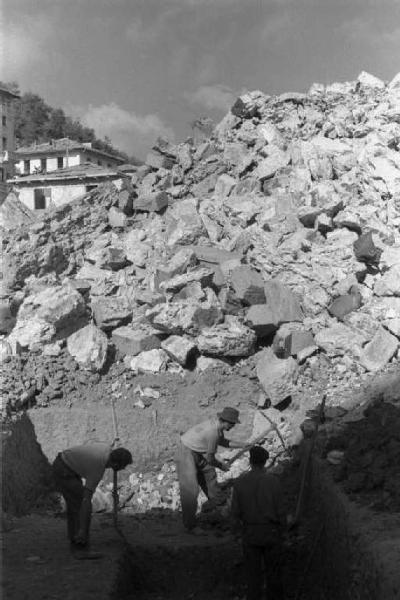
column 340, row 552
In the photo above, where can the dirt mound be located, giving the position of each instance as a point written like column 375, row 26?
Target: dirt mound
column 369, row 467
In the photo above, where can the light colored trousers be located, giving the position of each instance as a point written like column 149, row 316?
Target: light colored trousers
column 194, row 472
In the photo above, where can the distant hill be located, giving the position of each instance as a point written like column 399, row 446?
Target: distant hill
column 38, row 122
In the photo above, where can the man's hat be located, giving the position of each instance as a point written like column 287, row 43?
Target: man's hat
column 229, row 414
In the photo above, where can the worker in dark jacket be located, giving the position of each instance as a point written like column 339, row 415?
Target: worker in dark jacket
column 257, row 509
column 196, row 462
column 87, row 462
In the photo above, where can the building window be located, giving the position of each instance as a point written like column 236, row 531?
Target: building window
column 4, row 143
column 27, row 166
column 43, row 165
column 41, row 197
column 91, row 186
column 60, row 162
column 99, row 163
column 4, row 120
column 2, row 175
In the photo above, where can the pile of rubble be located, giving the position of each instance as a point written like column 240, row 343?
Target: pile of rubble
column 276, row 239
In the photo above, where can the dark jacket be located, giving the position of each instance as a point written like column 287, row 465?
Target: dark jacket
column 257, row 504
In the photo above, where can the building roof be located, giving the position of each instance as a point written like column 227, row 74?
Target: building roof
column 62, row 145
column 7, row 92
column 87, row 171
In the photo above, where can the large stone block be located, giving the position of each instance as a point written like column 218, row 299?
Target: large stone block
column 179, row 348
column 261, row 318
column 283, row 302
column 110, row 312
column 134, row 341
column 60, row 306
column 231, row 338
column 248, row 285
column 378, row 352
column 186, row 316
column 151, row 202
column 276, row 375
column 88, row 346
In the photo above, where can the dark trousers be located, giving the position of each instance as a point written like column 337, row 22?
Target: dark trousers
column 263, row 566
column 70, row 485
column 194, row 472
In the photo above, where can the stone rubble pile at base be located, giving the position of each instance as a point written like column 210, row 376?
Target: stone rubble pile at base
column 275, row 241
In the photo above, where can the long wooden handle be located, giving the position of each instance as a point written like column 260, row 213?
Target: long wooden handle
column 115, row 498
column 115, row 423
column 240, row 452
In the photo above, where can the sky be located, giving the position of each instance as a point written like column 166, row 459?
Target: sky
column 137, row 69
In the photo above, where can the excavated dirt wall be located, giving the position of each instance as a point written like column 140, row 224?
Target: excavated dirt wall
column 26, row 474
column 358, row 552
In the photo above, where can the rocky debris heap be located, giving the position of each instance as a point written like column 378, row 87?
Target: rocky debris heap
column 276, row 239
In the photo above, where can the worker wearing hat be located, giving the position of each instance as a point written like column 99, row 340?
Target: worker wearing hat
column 196, row 462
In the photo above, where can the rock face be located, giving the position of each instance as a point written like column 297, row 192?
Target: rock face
column 89, row 346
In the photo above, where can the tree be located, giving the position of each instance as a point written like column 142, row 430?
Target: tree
column 56, row 124
column 31, row 120
column 38, row 122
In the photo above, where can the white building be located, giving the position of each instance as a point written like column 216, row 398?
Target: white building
column 8, row 103
column 41, row 191
column 61, row 154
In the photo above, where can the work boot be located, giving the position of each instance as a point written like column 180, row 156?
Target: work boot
column 83, row 553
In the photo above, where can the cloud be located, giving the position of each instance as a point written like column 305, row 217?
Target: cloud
column 23, row 46
column 365, row 31
column 128, row 131
column 216, row 96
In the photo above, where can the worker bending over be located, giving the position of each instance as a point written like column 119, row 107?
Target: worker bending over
column 86, row 462
column 196, row 462
column 257, row 509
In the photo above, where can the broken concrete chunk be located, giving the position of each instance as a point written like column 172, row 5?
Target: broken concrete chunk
column 230, row 338
column 34, row 333
column 110, row 312
column 277, row 159
column 248, row 285
column 151, row 202
column 151, row 361
column 88, row 347
column 179, row 348
column 261, row 319
column 283, row 302
column 184, row 224
column 223, row 187
column 116, row 218
column 156, row 160
column 186, row 316
column 203, row 275
column 378, row 352
column 134, row 341
column 276, row 375
column 60, row 306
column 340, row 339
column 180, row 262
column 389, row 283
column 345, row 304
column 112, row 259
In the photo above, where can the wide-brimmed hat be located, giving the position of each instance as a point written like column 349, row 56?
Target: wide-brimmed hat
column 229, row 414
